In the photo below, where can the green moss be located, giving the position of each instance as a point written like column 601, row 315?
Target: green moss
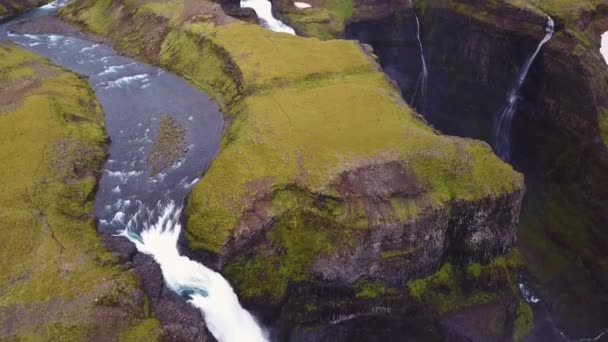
column 452, row 288
column 326, row 20
column 145, row 330
column 474, row 269
column 398, row 253
column 603, row 124
column 372, row 290
column 302, row 233
column 523, row 321
column 203, row 63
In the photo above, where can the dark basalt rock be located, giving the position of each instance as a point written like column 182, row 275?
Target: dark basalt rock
column 180, row 321
column 473, row 60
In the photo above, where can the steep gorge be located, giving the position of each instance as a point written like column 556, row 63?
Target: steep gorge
column 474, row 52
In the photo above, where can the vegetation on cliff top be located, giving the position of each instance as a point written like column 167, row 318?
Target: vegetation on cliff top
column 54, row 272
column 310, row 110
column 325, row 19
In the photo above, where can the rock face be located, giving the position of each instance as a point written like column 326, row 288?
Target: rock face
column 315, row 222
column 11, row 8
column 474, row 52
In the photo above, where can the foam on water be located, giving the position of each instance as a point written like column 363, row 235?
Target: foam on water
column 204, row 288
column 126, row 80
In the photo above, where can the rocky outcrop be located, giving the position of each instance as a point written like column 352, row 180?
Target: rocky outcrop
column 179, row 320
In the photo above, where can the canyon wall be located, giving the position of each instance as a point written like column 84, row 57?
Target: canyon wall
column 474, row 53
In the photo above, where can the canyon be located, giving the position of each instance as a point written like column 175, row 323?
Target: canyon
column 335, row 210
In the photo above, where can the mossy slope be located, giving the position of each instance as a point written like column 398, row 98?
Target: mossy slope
column 56, row 279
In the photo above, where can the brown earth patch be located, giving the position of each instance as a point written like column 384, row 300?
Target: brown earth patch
column 379, row 181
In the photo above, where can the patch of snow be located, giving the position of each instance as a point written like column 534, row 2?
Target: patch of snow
column 302, row 5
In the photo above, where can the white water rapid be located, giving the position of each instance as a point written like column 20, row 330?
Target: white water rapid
column 422, row 79
column 204, row 288
column 263, row 8
column 502, row 129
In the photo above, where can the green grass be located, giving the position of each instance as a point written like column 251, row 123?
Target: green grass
column 146, row 330
column 452, row 288
column 52, row 148
column 325, row 20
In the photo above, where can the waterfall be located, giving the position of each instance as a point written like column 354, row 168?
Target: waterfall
column 205, row 289
column 422, row 79
column 502, row 129
column 263, row 8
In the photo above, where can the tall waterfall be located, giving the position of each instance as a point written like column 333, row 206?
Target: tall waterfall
column 502, row 129
column 203, row 288
column 422, row 79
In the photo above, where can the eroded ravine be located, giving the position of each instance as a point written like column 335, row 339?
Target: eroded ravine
column 135, row 198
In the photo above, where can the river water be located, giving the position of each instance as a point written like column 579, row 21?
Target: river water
column 131, row 201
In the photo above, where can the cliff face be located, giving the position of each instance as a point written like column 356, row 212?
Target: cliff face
column 474, row 52
column 11, row 8
column 328, row 186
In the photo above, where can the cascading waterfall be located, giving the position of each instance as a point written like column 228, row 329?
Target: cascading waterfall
column 263, row 8
column 422, row 79
column 502, row 129
column 204, row 288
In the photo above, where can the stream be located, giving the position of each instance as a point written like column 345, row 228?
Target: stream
column 131, row 201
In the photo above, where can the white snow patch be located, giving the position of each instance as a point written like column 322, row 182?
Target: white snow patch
column 302, row 5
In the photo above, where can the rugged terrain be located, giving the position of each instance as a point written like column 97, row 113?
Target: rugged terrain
column 333, row 208
column 327, row 183
column 57, row 280
column 474, row 51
